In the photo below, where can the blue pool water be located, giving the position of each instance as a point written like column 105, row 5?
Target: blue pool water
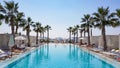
column 59, row 56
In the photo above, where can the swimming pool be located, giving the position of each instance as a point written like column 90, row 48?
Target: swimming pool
column 59, row 56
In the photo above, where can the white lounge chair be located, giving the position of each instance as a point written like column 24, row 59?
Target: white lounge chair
column 4, row 54
column 109, row 54
column 113, row 50
column 96, row 49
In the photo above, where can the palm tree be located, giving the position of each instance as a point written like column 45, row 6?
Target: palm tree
column 88, row 21
column 26, row 26
column 77, row 28
column 70, row 31
column 48, row 28
column 41, row 31
column 104, row 18
column 74, row 33
column 36, row 29
column 84, row 30
column 19, row 20
column 9, row 11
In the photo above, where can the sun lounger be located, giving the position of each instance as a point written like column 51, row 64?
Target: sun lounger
column 84, row 45
column 117, row 57
column 34, row 45
column 18, row 49
column 96, row 49
column 113, row 55
column 4, row 54
column 17, row 52
column 108, row 53
column 113, row 50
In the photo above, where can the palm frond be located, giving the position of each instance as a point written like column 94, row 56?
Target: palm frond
column 118, row 12
column 98, row 26
column 0, row 22
column 1, row 16
column 9, row 5
column 6, row 19
column 29, row 19
column 112, row 15
column 96, row 15
column 2, row 9
column 48, row 27
column 83, row 20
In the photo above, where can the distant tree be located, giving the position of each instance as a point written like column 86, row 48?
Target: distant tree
column 37, row 26
column 70, row 31
column 26, row 27
column 74, row 33
column 77, row 28
column 87, row 24
column 41, row 31
column 48, row 28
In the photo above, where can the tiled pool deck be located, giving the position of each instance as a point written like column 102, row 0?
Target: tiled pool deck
column 98, row 55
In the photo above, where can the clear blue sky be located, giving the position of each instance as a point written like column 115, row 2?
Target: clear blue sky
column 60, row 14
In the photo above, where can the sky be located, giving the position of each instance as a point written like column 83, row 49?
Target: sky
column 61, row 14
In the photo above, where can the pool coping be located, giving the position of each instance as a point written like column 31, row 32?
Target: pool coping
column 17, row 57
column 102, row 57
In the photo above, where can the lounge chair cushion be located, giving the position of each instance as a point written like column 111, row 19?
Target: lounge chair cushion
column 1, row 51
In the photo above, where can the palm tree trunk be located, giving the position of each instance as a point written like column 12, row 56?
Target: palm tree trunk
column 74, row 37
column 104, row 38
column 47, row 36
column 16, row 30
column 36, row 37
column 80, row 37
column 28, row 38
column 43, row 36
column 91, row 32
column 70, row 37
column 12, row 28
column 81, row 34
column 84, row 33
column 77, row 37
column 40, row 37
column 88, row 37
